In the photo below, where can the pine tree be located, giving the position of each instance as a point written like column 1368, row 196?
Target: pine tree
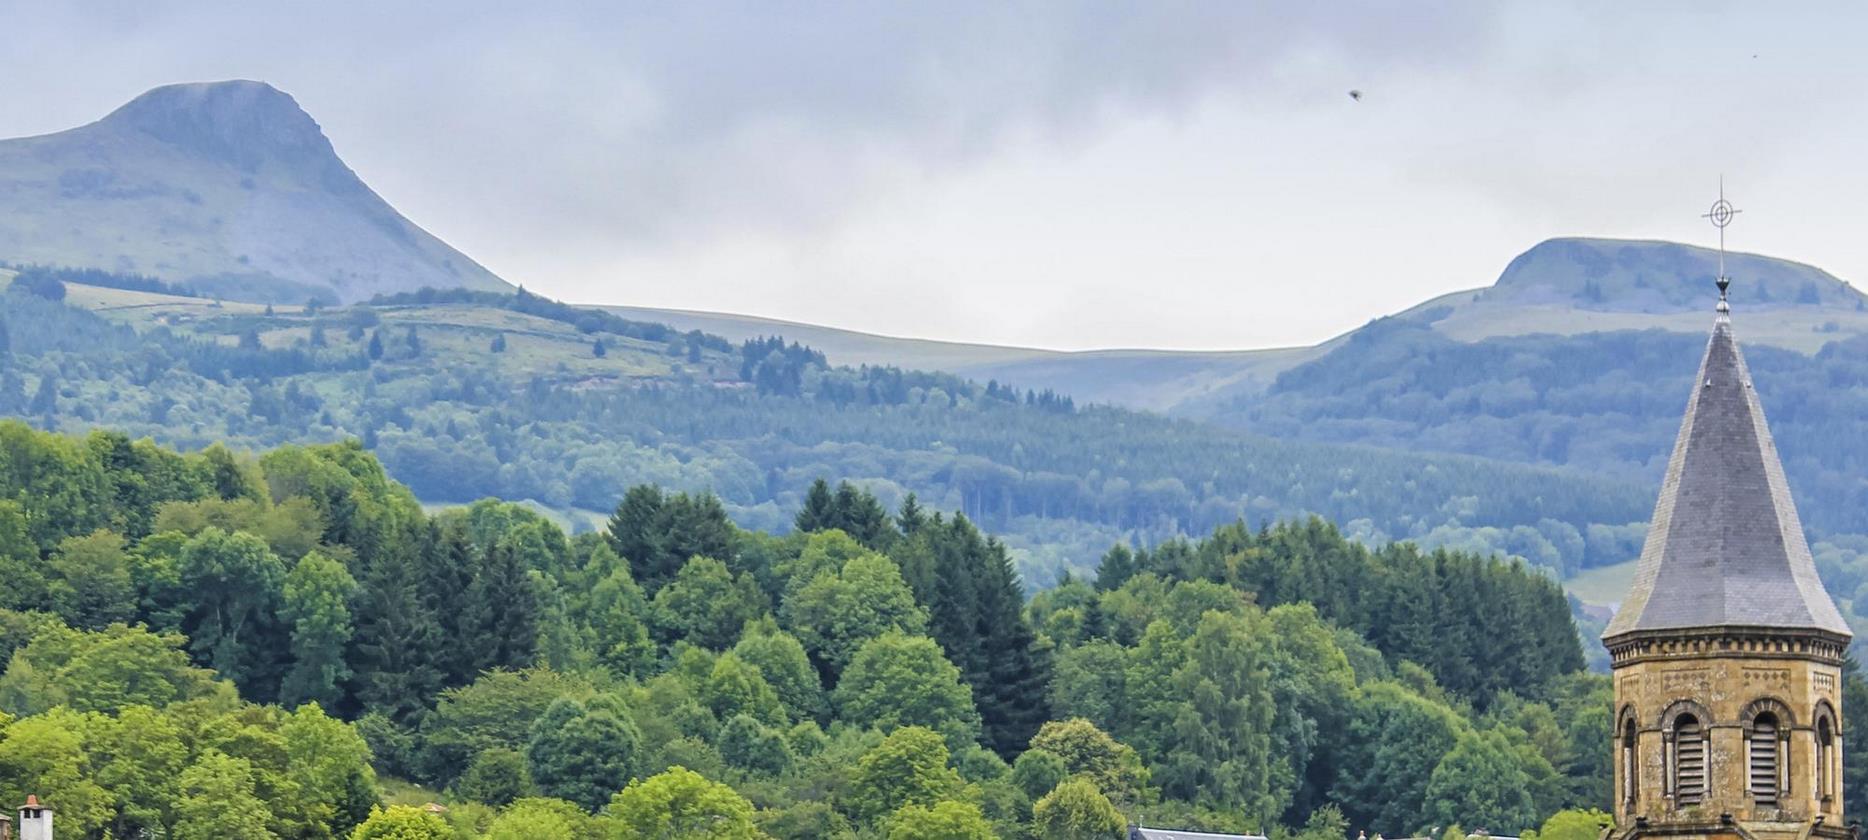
column 447, row 569
column 376, row 345
column 861, row 516
column 634, row 534
column 976, row 612
column 499, row 343
column 819, row 510
column 1012, row 692
column 1117, row 567
column 317, row 335
column 911, row 518
column 657, row 534
column 397, row 641
column 500, row 619
column 597, row 349
column 1854, row 741
column 850, row 509
column 413, row 341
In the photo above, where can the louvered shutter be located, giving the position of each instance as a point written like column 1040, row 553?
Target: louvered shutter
column 1690, row 761
column 1764, row 762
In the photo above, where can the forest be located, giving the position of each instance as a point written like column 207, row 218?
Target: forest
column 465, row 395
column 287, row 645
column 1609, row 403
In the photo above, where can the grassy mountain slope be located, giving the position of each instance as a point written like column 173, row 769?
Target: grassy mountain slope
column 228, row 187
column 549, row 420
column 1136, row 378
column 1560, row 287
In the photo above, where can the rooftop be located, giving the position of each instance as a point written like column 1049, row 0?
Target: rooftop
column 1725, row 547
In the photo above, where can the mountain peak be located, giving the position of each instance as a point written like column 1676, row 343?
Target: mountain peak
column 246, row 123
column 228, row 187
column 1655, row 276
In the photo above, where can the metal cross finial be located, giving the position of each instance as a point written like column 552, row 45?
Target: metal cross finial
column 1721, row 215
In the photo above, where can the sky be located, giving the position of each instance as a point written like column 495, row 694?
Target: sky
column 1060, row 175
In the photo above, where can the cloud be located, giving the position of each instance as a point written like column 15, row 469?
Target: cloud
column 1061, row 174
column 672, row 122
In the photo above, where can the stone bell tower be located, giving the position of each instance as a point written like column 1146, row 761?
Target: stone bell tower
column 1727, row 653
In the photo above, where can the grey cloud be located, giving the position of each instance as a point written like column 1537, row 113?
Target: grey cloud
column 655, row 122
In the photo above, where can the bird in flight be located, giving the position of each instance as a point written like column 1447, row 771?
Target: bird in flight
column 1356, row 95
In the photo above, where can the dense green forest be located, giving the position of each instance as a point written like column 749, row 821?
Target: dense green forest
column 464, row 395
column 285, row 645
column 1606, row 402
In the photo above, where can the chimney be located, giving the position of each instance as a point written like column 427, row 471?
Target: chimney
column 35, row 820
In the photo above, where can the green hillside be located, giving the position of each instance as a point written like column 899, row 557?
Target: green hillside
column 1145, row 379
column 547, row 419
column 1560, row 287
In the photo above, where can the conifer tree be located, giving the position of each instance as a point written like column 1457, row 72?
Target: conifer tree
column 501, row 615
column 911, row 517
column 1117, row 567
column 1012, row 690
column 632, row 530
column 376, row 345
column 818, row 511
column 657, row 534
column 397, row 642
column 858, row 514
column 976, row 611
column 850, row 509
column 446, row 574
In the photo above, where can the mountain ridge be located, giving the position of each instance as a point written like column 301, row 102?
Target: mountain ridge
column 1562, row 285
column 228, row 187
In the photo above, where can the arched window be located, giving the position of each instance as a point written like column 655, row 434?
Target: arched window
column 1826, row 769
column 1689, row 760
column 1761, row 742
column 1631, row 769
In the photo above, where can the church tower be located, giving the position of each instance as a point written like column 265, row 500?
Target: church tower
column 1727, row 653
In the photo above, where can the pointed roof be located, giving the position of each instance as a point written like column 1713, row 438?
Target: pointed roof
column 1725, row 547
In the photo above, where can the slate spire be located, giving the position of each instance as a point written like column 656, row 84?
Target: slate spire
column 1725, row 547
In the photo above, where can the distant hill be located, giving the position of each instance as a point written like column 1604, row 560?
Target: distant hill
column 1559, row 287
column 1571, row 286
column 464, row 396
column 1146, row 379
column 227, row 187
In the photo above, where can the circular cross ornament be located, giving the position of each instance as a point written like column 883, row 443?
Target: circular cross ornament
column 1721, row 213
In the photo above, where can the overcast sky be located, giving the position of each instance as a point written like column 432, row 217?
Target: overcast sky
column 1185, row 175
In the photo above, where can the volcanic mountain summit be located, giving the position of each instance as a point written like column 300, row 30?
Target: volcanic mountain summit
column 228, row 187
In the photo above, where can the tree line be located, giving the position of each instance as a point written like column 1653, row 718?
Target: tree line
column 456, row 422
column 294, row 630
